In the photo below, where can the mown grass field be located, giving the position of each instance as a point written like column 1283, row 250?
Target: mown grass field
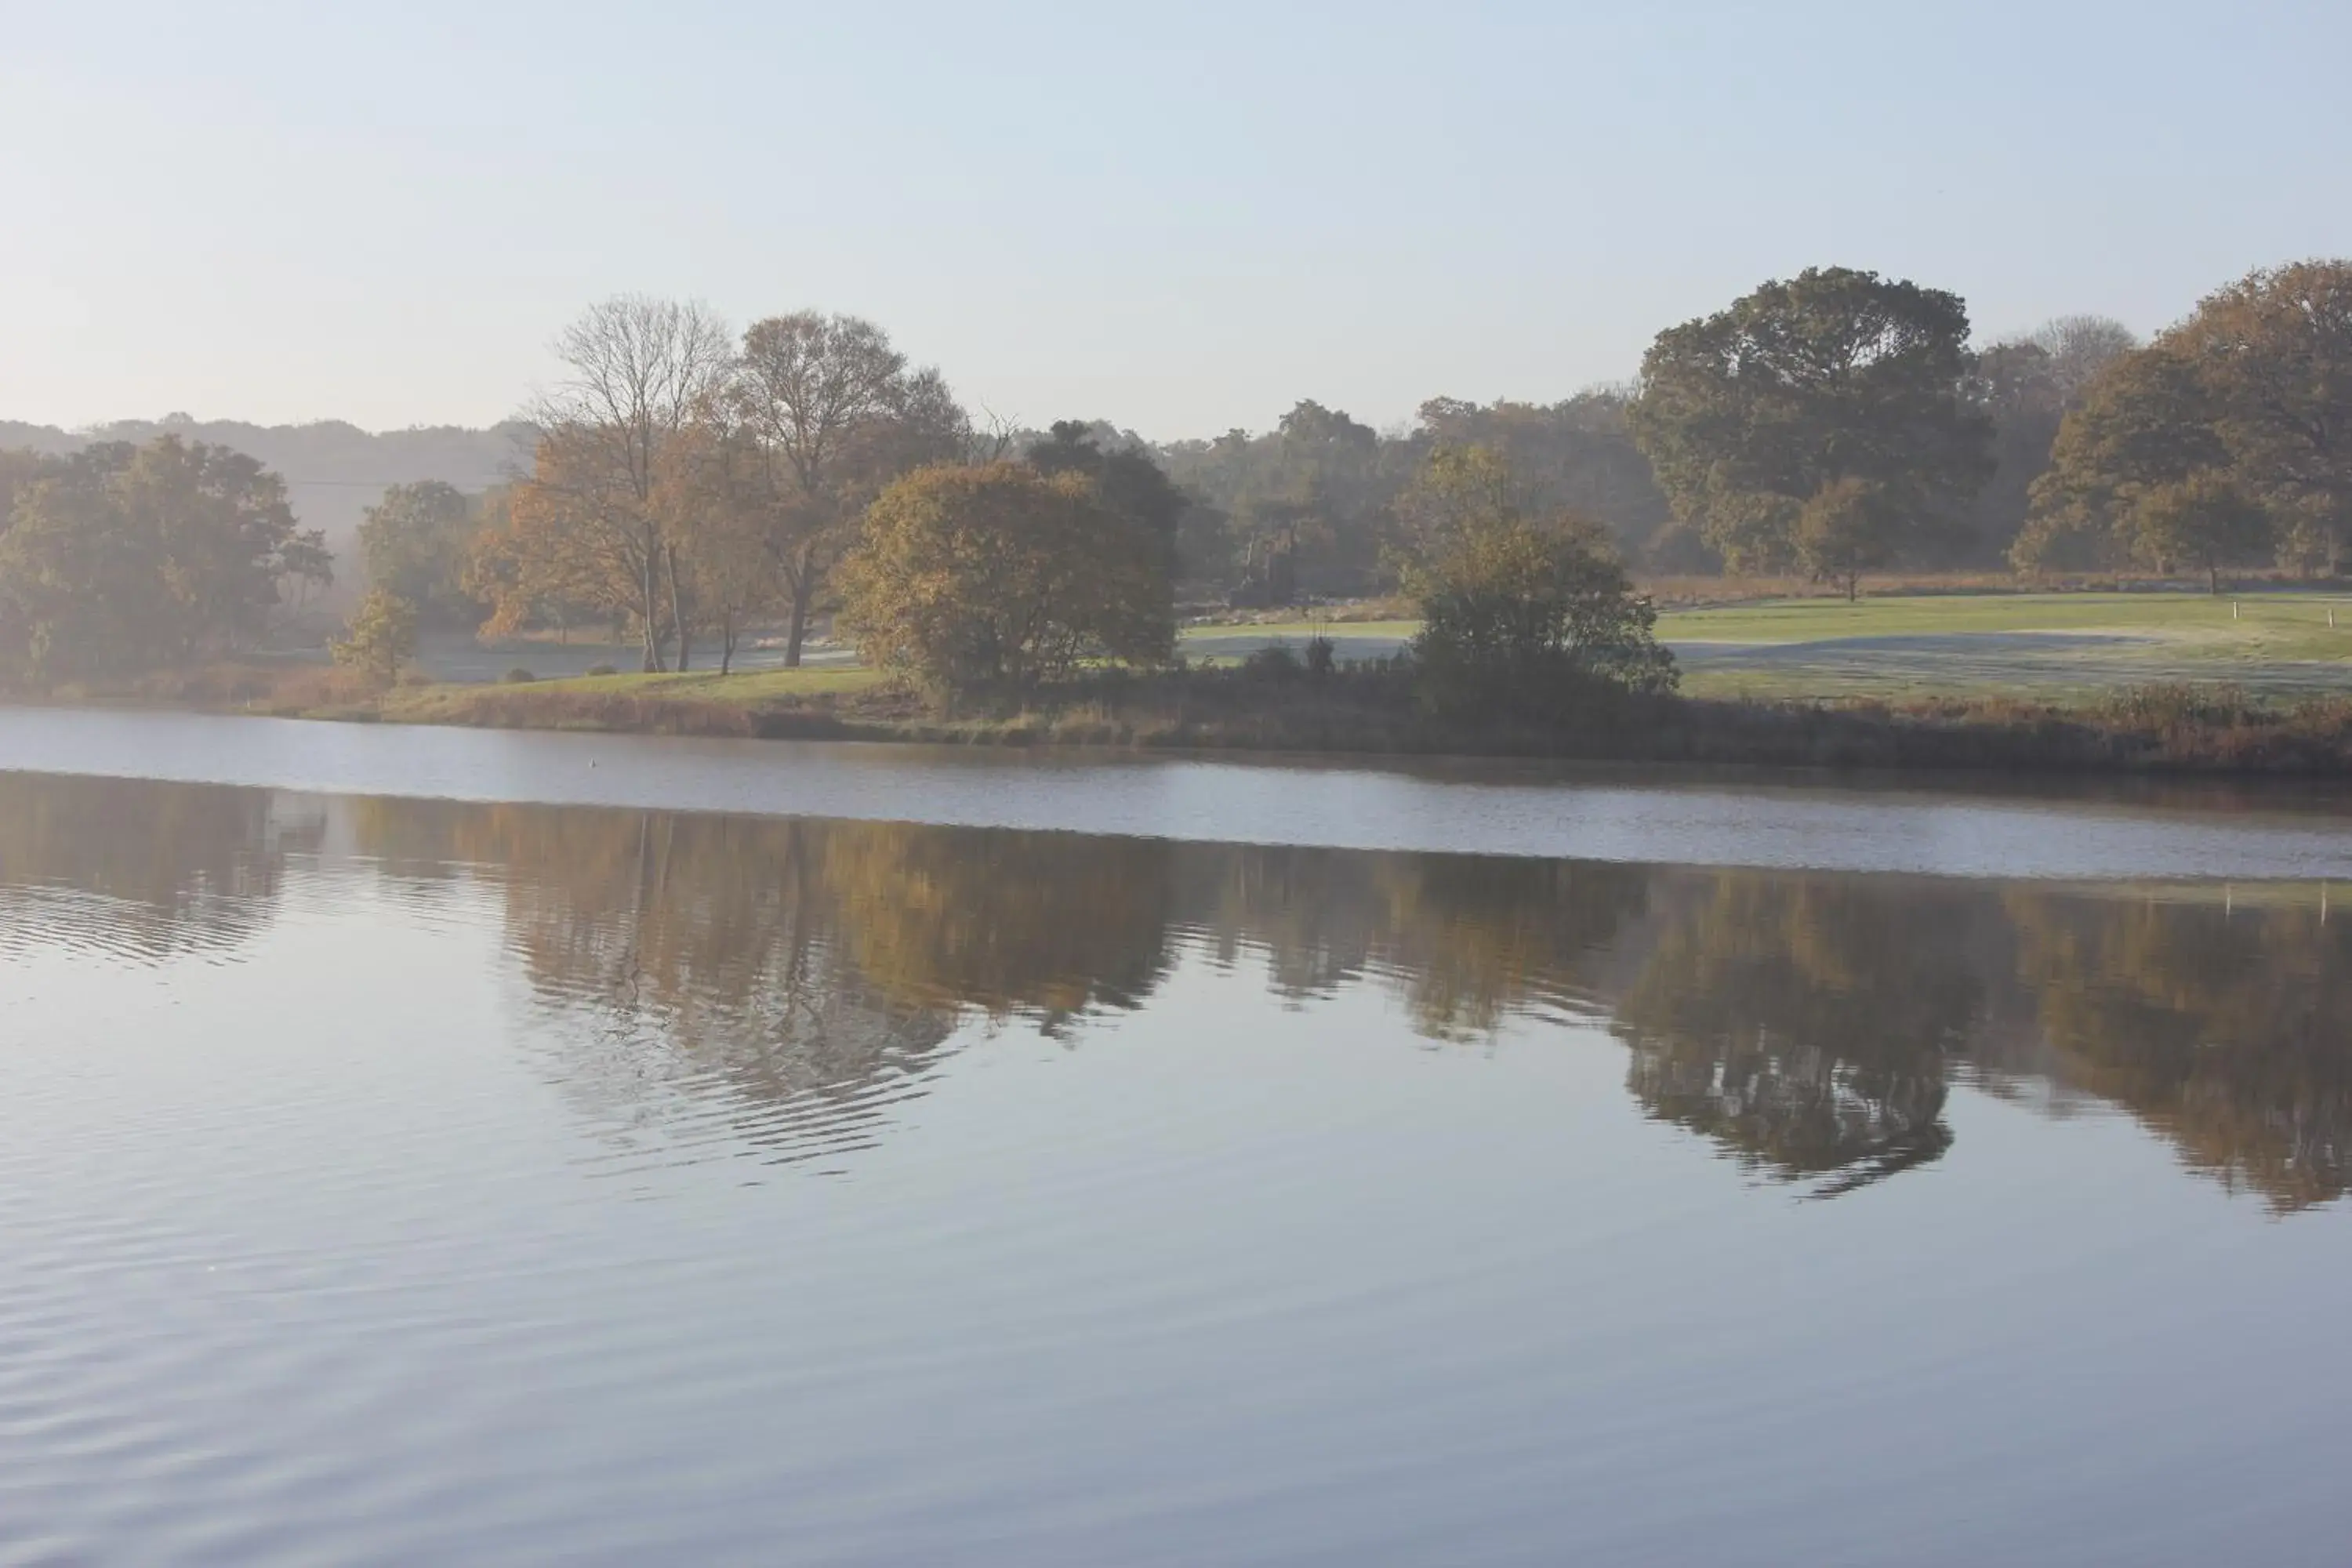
column 2049, row 645
column 2062, row 647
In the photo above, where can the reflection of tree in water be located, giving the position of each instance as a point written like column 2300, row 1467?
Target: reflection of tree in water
column 138, row 868
column 1048, row 924
column 696, row 964
column 790, row 981
column 1805, row 1023
column 1468, row 940
column 2228, row 1031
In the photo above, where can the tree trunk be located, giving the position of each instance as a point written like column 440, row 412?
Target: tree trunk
column 1852, row 587
column 725, row 642
column 801, row 592
column 677, row 617
column 650, row 613
column 2213, row 580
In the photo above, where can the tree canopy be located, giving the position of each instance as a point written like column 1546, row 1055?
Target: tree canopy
column 971, row 576
column 415, row 544
column 1749, row 415
column 831, row 412
column 122, row 558
column 2273, row 355
column 2141, row 472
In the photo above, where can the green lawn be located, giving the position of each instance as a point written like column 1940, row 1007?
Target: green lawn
column 2050, row 645
column 2058, row 645
column 2289, row 625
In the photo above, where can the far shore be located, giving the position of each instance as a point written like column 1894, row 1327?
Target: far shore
column 2173, row 730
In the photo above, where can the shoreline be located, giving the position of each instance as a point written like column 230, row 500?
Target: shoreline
column 2156, row 732
column 2202, row 833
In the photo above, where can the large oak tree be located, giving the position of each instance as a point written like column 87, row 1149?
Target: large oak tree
column 1834, row 375
column 2274, row 352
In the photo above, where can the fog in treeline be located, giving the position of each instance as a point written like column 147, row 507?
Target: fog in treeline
column 333, row 471
column 680, row 481
column 801, row 976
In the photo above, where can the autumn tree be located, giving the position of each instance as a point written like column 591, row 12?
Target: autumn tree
column 381, row 637
column 973, row 576
column 415, row 543
column 834, row 413
column 1518, row 609
column 717, row 484
column 2142, row 471
column 592, row 524
column 1749, row 415
column 2274, row 354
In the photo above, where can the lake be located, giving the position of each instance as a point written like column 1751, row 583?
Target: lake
column 429, row 1146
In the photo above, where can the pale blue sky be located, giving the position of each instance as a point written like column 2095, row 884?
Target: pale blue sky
column 1179, row 219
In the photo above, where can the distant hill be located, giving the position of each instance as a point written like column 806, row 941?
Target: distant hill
column 333, row 471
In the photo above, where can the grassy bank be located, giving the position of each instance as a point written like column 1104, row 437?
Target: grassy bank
column 1374, row 711
column 2075, row 682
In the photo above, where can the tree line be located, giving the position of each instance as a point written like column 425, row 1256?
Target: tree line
column 120, row 559
column 1830, row 424
column 687, row 484
column 682, row 484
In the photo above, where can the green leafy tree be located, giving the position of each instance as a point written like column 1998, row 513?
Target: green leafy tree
column 2207, row 521
column 1125, row 478
column 381, row 637
column 416, row 542
column 968, row 578
column 123, row 558
column 1576, row 456
column 1517, row 611
column 1303, row 508
column 1847, row 528
column 1836, row 375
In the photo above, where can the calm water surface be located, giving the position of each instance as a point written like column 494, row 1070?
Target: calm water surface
column 393, row 1180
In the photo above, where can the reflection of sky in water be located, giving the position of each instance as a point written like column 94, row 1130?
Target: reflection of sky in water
column 613, row 1185
column 2110, row 831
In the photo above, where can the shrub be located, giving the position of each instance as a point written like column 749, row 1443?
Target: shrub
column 382, row 636
column 602, row 669
column 2173, row 706
column 1519, row 615
column 1273, row 662
column 518, row 675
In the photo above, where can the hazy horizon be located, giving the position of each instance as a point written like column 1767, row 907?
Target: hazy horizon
column 1180, row 227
